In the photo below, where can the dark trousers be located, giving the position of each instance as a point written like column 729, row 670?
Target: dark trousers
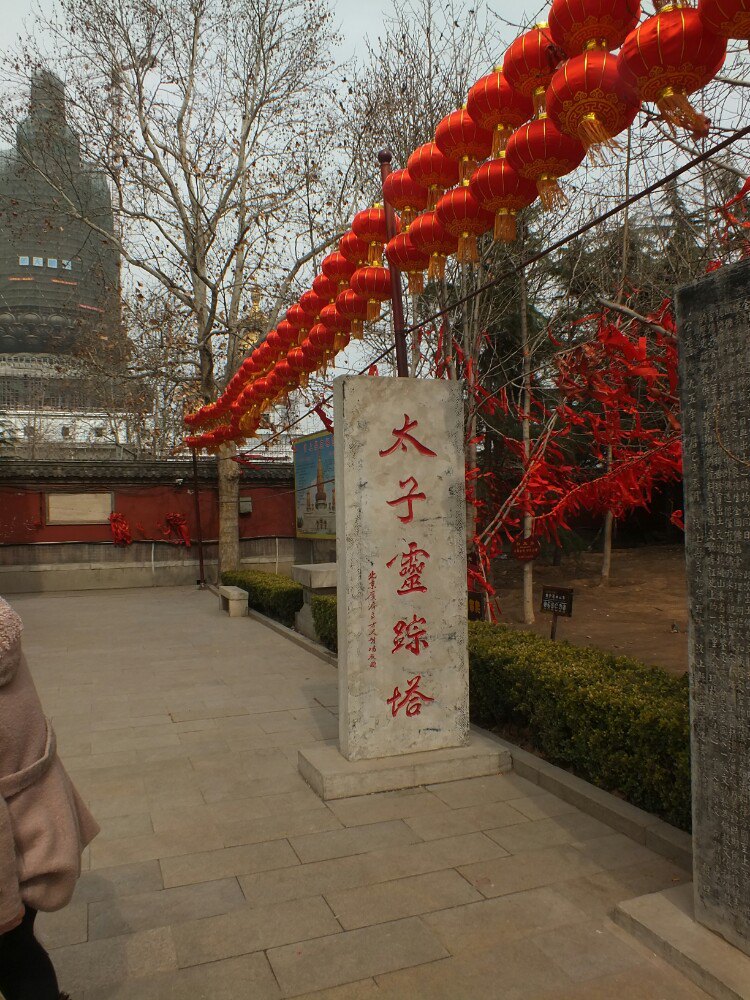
column 26, row 972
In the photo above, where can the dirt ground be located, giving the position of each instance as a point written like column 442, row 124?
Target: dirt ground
column 633, row 615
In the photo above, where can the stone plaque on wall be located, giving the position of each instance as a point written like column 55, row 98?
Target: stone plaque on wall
column 714, row 340
column 401, row 544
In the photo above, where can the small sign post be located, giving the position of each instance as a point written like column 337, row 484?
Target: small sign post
column 557, row 601
column 526, row 549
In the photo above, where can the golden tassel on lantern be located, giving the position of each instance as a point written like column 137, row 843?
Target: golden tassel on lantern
column 551, row 194
column 434, row 193
column 539, row 97
column 500, row 140
column 596, row 140
column 436, row 269
column 466, row 168
column 357, row 329
column 678, row 112
column 468, row 252
column 373, row 310
column 505, row 226
column 375, row 254
column 416, row 282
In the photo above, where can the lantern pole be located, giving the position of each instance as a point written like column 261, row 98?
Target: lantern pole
column 385, row 157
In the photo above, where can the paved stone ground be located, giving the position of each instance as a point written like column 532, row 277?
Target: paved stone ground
column 219, row 874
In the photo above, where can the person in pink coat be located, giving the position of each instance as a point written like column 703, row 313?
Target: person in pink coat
column 44, row 824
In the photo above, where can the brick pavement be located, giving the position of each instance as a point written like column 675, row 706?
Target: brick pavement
column 219, row 874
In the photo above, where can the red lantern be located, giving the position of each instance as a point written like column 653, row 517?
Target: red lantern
column 322, row 338
column 312, row 355
column 338, row 269
column 370, row 226
column 463, row 216
column 728, row 18
column 334, row 320
column 374, row 285
column 428, row 234
column 274, row 344
column 325, row 288
column 297, row 316
column 287, row 333
column 530, row 62
column 353, row 248
column 297, row 363
column 669, row 56
column 262, row 356
column 578, row 25
column 405, row 257
column 354, row 309
column 403, row 194
column 282, row 378
column 460, row 138
column 311, row 304
column 496, row 106
column 499, row 189
column 428, row 167
column 540, row 152
column 589, row 100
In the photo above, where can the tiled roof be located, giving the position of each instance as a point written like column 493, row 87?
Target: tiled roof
column 25, row 471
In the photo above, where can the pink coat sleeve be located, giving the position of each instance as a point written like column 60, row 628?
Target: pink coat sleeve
column 11, row 907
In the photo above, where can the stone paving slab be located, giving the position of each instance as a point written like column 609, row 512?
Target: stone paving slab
column 220, row 875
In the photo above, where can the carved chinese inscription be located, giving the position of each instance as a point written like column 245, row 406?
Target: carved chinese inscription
column 714, row 340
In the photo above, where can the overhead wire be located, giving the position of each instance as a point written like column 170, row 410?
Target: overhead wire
column 521, row 265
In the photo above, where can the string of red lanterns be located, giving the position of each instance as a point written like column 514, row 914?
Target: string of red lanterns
column 562, row 92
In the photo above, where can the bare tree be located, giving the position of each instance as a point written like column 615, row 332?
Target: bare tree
column 200, row 112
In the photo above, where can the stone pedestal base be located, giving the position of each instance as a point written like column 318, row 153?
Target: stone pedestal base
column 332, row 776
column 317, row 579
column 665, row 922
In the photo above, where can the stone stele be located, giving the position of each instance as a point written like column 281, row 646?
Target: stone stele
column 402, row 597
column 713, row 317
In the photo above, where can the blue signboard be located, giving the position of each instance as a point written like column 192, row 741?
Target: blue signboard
column 314, row 485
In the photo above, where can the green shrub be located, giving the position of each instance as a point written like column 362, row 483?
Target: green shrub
column 613, row 721
column 272, row 595
column 324, row 616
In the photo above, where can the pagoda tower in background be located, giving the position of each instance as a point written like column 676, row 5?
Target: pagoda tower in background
column 60, row 313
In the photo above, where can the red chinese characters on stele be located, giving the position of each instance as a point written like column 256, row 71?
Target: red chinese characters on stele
column 412, row 700
column 404, row 435
column 410, row 635
column 413, row 564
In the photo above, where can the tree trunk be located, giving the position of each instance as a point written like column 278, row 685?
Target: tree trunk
column 229, row 510
column 608, row 524
column 528, row 520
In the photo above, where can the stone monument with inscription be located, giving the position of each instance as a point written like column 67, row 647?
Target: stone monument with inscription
column 402, row 592
column 401, row 543
column 714, row 339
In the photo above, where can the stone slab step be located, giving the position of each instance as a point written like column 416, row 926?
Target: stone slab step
column 664, row 921
column 332, row 776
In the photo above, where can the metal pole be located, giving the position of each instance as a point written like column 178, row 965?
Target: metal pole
column 385, row 157
column 196, row 501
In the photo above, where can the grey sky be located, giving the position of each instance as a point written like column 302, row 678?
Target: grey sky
column 356, row 17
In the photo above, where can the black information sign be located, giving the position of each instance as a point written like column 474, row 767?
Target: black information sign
column 557, row 601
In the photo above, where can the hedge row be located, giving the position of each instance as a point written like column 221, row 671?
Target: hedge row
column 613, row 721
column 324, row 617
column 272, row 595
column 616, row 722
